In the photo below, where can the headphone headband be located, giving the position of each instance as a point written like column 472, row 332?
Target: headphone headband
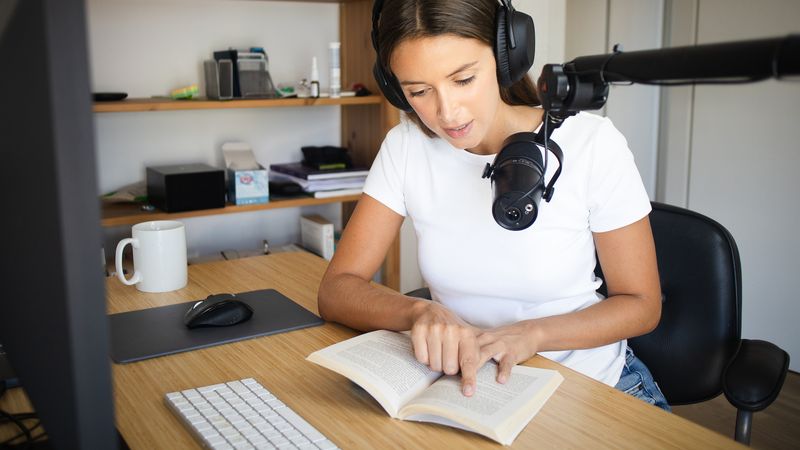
column 512, row 43
column 376, row 14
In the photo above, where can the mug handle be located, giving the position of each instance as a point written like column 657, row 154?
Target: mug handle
column 137, row 277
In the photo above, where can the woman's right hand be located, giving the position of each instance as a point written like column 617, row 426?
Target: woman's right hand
column 445, row 343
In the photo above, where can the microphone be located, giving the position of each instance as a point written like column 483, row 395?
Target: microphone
column 517, row 177
column 517, row 186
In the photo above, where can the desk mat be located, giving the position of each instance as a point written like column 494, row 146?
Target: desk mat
column 152, row 332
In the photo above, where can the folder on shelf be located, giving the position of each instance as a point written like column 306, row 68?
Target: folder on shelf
column 300, row 170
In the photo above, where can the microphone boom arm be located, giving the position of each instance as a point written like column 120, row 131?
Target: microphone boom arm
column 582, row 83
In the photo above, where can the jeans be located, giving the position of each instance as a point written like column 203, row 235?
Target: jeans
column 637, row 381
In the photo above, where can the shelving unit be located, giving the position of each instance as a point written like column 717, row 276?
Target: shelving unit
column 364, row 123
column 129, row 214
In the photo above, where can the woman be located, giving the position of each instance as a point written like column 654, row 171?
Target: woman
column 498, row 294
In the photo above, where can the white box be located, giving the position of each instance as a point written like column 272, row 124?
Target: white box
column 248, row 181
column 316, row 235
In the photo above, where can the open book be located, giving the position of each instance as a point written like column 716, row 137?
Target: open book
column 383, row 363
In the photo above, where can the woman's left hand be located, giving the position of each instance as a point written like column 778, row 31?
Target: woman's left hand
column 508, row 345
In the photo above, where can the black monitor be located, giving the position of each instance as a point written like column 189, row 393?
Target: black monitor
column 53, row 322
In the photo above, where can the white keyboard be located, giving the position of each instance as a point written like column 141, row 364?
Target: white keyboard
column 243, row 415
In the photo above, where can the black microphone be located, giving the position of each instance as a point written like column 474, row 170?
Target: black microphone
column 517, row 176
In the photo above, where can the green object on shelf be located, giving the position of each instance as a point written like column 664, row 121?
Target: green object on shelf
column 330, row 166
column 184, row 93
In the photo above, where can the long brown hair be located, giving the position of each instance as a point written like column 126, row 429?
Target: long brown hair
column 473, row 19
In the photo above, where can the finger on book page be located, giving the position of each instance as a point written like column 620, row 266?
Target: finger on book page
column 507, row 362
column 420, row 344
column 469, row 362
column 495, row 350
column 451, row 349
column 434, row 343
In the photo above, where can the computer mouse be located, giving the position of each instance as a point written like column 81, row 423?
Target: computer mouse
column 219, row 310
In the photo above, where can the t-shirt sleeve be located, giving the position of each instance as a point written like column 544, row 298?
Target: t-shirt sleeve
column 387, row 175
column 617, row 196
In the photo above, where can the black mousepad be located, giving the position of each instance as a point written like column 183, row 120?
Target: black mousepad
column 147, row 333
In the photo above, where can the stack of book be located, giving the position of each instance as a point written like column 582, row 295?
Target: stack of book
column 321, row 183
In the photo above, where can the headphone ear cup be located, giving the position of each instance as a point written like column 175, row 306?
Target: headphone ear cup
column 390, row 89
column 520, row 59
column 514, row 63
column 501, row 48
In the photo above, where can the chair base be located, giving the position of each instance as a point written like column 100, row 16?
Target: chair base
column 744, row 423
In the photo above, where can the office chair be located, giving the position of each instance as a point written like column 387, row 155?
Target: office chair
column 696, row 352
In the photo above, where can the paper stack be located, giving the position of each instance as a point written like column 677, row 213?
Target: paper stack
column 321, row 183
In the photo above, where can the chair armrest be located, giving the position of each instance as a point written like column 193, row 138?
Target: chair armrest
column 754, row 377
column 420, row 293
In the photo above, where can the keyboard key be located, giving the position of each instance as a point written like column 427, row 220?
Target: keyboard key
column 205, row 389
column 258, row 440
column 215, row 441
column 275, row 403
column 300, row 440
column 278, row 441
column 326, row 445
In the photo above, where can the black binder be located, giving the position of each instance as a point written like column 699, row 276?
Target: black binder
column 233, row 55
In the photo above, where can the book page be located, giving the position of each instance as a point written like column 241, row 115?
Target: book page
column 383, row 363
column 498, row 411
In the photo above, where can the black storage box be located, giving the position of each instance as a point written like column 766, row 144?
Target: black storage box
column 186, row 187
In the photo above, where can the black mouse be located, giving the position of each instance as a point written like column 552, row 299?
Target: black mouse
column 220, row 310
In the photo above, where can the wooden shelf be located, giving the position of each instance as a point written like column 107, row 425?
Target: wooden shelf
column 128, row 214
column 164, row 104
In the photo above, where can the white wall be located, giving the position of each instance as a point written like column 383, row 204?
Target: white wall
column 737, row 160
column 594, row 27
column 637, row 25
column 549, row 18
column 147, row 47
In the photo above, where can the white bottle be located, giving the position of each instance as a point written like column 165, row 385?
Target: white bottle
column 336, row 71
column 314, row 91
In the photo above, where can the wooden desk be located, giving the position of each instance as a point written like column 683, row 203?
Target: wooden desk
column 581, row 414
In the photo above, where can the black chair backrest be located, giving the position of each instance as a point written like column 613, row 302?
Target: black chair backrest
column 700, row 327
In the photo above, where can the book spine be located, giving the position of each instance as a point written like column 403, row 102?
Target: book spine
column 287, row 170
column 337, row 192
column 337, row 174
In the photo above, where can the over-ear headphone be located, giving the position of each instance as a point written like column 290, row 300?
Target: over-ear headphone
column 515, row 46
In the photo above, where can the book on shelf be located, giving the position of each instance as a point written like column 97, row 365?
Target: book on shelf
column 316, row 235
column 336, row 193
column 299, row 170
column 320, row 185
column 383, row 363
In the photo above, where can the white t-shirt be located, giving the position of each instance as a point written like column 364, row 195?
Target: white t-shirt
column 491, row 276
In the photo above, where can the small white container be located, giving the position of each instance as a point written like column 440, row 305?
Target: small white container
column 314, row 93
column 336, row 69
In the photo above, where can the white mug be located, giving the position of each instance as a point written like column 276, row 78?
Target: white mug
column 159, row 256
